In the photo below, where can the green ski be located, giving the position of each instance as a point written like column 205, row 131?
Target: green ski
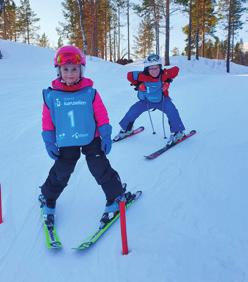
column 89, row 241
column 51, row 235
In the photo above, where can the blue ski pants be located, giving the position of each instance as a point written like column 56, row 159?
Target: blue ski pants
column 165, row 106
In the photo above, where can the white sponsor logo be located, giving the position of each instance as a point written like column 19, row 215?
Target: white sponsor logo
column 75, row 103
column 79, row 135
column 61, row 136
column 57, row 103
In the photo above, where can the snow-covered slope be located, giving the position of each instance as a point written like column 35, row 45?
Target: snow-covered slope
column 189, row 226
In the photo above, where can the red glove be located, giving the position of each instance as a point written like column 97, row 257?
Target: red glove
column 165, row 86
column 142, row 87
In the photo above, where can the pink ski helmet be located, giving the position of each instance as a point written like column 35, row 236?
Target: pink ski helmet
column 69, row 54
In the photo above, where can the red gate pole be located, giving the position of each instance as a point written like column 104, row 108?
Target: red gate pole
column 123, row 227
column 1, row 215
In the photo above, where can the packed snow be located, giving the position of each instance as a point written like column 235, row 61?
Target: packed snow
column 190, row 224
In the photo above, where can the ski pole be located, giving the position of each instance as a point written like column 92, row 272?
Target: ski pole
column 122, row 208
column 163, row 117
column 150, row 117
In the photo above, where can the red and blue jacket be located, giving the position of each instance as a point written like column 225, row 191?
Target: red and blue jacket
column 138, row 77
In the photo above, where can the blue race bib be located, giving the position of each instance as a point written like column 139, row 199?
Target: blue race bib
column 72, row 115
column 153, row 92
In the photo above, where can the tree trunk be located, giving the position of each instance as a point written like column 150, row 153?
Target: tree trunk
column 128, row 31
column 229, row 37
column 105, row 35
column 197, row 32
column 232, row 40
column 4, row 23
column 84, row 41
column 156, row 19
column 167, row 34
column 190, row 30
column 95, row 33
column 119, row 35
column 110, row 43
column 203, row 29
column 114, row 44
column 217, row 51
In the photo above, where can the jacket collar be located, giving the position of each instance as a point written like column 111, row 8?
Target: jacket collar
column 57, row 84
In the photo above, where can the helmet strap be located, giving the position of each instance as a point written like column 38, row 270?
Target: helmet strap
column 58, row 72
column 82, row 70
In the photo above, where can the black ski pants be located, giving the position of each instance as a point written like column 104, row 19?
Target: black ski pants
column 98, row 165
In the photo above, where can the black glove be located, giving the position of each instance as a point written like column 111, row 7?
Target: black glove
column 136, row 86
column 169, row 80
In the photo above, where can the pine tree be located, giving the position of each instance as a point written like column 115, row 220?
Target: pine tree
column 187, row 7
column 70, row 29
column 26, row 22
column 145, row 38
column 128, row 30
column 232, row 11
column 7, row 20
column 99, row 24
column 202, row 23
column 81, row 16
column 209, row 49
column 43, row 41
column 153, row 9
column 117, row 7
column 60, row 42
column 237, row 53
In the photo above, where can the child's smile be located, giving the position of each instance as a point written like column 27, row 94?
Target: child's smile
column 70, row 73
column 154, row 70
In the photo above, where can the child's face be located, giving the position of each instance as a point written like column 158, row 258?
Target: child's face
column 154, row 70
column 70, row 73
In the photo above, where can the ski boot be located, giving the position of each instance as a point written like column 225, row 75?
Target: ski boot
column 47, row 213
column 112, row 208
column 175, row 137
column 122, row 134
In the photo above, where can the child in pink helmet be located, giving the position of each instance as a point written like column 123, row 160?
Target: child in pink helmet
column 75, row 121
